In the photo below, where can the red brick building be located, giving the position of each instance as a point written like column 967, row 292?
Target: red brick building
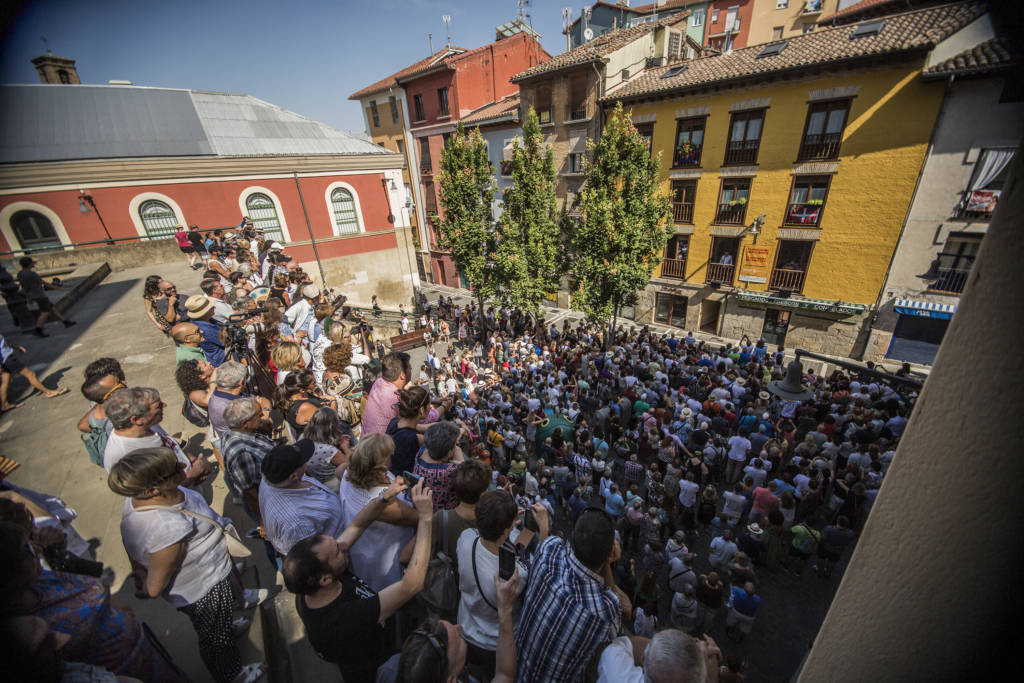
column 443, row 92
column 152, row 158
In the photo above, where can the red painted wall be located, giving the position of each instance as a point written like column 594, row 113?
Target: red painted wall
column 745, row 12
column 428, row 87
column 214, row 204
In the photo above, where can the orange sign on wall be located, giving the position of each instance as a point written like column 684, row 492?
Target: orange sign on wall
column 755, row 264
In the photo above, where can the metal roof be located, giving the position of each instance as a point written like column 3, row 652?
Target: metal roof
column 65, row 122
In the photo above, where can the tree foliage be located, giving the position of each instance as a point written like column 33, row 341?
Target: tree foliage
column 466, row 179
column 528, row 230
column 625, row 221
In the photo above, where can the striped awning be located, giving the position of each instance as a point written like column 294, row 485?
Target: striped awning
column 925, row 309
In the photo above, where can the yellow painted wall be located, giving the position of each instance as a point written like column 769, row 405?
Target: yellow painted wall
column 884, row 144
column 388, row 134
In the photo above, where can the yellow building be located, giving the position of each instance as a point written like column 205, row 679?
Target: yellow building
column 791, row 177
column 781, row 19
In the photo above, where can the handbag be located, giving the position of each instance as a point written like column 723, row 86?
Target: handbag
column 195, row 414
column 236, row 548
column 441, row 585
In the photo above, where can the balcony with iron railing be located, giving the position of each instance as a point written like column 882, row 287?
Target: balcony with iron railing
column 805, row 215
column 682, row 212
column 673, row 268
column 786, row 279
column 741, row 152
column 576, row 112
column 720, row 272
column 731, row 214
column 820, row 147
column 950, row 280
column 425, row 166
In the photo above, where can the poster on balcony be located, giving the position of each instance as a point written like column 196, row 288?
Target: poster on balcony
column 983, row 201
column 755, row 264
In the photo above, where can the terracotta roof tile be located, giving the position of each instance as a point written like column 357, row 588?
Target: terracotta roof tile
column 850, row 13
column 386, row 83
column 507, row 107
column 901, row 33
column 993, row 54
column 598, row 47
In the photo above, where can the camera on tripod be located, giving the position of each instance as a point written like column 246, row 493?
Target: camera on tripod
column 236, row 335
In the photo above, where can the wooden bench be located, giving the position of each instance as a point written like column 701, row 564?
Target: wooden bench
column 409, row 340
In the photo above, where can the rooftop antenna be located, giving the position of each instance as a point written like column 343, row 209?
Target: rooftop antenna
column 430, row 37
column 46, row 45
column 521, row 4
column 447, row 21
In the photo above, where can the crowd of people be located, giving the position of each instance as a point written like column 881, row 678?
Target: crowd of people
column 531, row 503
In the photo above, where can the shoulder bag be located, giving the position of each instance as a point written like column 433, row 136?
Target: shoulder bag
column 236, row 548
column 477, row 578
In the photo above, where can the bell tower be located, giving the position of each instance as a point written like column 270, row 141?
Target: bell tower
column 53, row 69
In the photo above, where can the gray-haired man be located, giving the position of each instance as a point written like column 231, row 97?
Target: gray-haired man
column 243, row 445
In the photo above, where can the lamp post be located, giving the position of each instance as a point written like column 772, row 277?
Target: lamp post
column 84, row 202
column 755, row 227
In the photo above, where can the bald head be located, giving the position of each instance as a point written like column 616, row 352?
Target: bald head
column 185, row 333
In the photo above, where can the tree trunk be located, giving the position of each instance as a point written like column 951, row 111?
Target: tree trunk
column 611, row 330
column 483, row 320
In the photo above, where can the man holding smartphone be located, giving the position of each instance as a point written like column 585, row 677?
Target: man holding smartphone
column 482, row 553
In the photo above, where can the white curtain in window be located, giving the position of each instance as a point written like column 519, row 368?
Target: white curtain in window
column 991, row 164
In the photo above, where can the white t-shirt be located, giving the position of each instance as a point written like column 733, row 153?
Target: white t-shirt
column 688, row 493
column 120, row 446
column 733, row 506
column 739, row 446
column 755, row 473
column 616, row 664
column 479, row 620
column 206, row 561
column 374, row 558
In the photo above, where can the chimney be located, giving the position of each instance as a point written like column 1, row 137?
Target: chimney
column 52, row 69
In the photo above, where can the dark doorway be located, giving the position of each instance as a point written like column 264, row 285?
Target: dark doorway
column 709, row 312
column 776, row 323
column 670, row 309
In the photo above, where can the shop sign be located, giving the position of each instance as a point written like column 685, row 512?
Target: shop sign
column 798, row 302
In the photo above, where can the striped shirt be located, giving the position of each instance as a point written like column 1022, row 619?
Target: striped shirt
column 567, row 614
column 290, row 515
column 583, row 468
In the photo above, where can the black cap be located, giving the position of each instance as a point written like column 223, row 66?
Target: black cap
column 279, row 463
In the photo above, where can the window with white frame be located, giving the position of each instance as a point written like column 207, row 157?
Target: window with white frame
column 697, row 17
column 781, row 4
column 158, row 218
column 263, row 212
column 343, row 205
column 714, row 16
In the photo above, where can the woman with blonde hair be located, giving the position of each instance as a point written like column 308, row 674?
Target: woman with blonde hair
column 375, row 557
column 287, row 357
column 176, row 545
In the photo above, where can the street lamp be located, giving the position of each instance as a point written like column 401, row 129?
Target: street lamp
column 84, row 202
column 755, row 227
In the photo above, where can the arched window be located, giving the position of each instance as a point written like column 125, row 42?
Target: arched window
column 263, row 213
column 158, row 218
column 34, row 231
column 345, row 219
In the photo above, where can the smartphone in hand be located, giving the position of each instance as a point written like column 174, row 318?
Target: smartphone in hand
column 410, row 479
column 506, row 563
column 530, row 522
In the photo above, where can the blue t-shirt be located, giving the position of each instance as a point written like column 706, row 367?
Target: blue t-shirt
column 211, row 345
column 743, row 603
column 613, row 504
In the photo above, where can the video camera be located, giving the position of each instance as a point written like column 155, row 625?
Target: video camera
column 236, row 335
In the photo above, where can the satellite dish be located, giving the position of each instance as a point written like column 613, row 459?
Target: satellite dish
column 588, row 34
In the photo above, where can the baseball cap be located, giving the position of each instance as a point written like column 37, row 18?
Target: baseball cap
column 281, row 461
column 275, row 245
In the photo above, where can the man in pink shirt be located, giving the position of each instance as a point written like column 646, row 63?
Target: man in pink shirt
column 764, row 501
column 382, row 403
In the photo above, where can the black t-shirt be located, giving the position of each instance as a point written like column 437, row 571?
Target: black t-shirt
column 346, row 631
column 407, row 445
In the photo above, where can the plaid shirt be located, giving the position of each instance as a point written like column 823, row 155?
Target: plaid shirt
column 243, row 452
column 567, row 614
column 634, row 472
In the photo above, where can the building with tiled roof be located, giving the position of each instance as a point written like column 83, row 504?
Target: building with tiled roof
column 841, row 46
column 869, row 9
column 415, row 109
column 602, row 17
column 994, row 55
column 791, row 168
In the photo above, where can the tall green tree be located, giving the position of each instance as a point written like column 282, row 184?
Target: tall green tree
column 619, row 238
column 528, row 230
column 466, row 179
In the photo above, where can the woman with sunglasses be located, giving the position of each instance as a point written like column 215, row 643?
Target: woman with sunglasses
column 177, row 549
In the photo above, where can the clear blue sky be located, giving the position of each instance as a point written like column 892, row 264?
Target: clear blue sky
column 304, row 55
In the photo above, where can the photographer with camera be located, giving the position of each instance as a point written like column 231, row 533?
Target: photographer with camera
column 200, row 311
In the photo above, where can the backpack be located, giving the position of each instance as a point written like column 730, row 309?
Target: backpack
column 195, row 414
column 810, row 541
column 95, row 444
column 440, row 592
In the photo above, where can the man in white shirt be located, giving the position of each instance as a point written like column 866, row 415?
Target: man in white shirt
column 734, row 502
column 214, row 291
column 670, row 655
column 757, row 471
column 739, row 447
column 300, row 315
column 722, row 550
column 135, row 414
column 688, row 490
